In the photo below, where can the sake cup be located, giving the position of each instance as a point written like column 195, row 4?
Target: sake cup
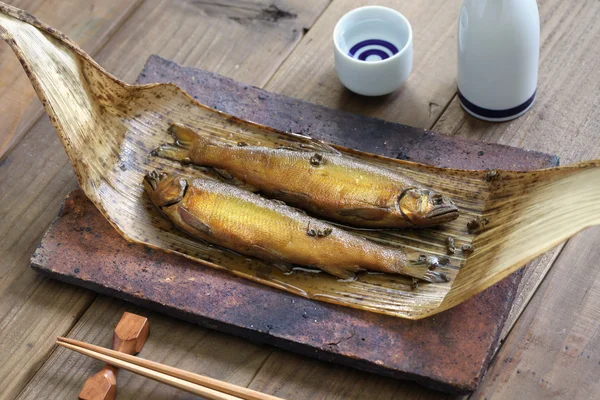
column 373, row 50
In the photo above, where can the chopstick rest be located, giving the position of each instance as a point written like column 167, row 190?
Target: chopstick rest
column 129, row 337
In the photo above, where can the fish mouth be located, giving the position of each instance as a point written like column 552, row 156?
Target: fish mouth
column 448, row 213
column 164, row 190
column 151, row 181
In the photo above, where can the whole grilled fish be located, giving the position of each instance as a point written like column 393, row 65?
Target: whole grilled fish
column 325, row 183
column 272, row 231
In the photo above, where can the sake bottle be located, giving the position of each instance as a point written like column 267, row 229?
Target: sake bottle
column 498, row 57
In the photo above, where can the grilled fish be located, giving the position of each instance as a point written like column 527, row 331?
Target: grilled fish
column 324, row 183
column 270, row 230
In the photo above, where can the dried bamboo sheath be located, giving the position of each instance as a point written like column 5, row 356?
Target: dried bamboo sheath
column 108, row 129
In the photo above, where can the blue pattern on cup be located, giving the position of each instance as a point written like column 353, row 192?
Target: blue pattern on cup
column 373, row 47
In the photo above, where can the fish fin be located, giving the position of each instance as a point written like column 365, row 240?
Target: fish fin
column 290, row 197
column 183, row 135
column 318, row 145
column 172, row 152
column 194, row 221
column 286, row 268
column 223, row 174
column 268, row 254
column 347, row 274
column 366, row 213
column 226, row 177
column 306, row 143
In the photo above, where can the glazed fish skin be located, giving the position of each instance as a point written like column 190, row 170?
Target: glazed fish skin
column 249, row 224
column 324, row 183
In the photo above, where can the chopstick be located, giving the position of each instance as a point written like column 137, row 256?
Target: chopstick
column 210, row 388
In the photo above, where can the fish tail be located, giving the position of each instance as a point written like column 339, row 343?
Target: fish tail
column 172, row 152
column 420, row 266
column 183, row 135
column 424, row 274
column 178, row 151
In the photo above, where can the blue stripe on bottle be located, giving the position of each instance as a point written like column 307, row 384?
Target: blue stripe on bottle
column 495, row 114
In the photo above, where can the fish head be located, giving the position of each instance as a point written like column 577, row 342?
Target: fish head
column 425, row 207
column 164, row 189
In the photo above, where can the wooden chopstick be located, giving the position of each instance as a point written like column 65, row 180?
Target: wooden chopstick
column 157, row 376
column 181, row 379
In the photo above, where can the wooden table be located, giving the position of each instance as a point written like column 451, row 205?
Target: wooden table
column 551, row 344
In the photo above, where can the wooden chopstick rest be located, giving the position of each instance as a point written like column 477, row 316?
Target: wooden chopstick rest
column 129, row 338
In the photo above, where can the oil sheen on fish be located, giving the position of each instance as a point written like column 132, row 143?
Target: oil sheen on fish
column 249, row 224
column 323, row 182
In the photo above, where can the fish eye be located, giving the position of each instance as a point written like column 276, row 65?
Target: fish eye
column 437, row 199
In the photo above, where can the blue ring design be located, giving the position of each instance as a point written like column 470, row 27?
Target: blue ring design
column 371, row 42
column 495, row 114
column 381, row 52
column 373, row 52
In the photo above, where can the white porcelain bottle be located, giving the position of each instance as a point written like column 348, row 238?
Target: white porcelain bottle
column 498, row 57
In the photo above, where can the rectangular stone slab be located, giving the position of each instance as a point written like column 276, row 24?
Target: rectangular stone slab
column 448, row 352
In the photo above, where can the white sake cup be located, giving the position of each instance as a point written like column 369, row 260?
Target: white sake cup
column 373, row 50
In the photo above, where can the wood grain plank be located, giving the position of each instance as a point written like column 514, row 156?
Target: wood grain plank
column 309, row 73
column 533, row 275
column 554, row 349
column 34, row 178
column 295, row 377
column 89, row 23
column 563, row 121
column 170, row 342
column 36, row 175
column 246, row 41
